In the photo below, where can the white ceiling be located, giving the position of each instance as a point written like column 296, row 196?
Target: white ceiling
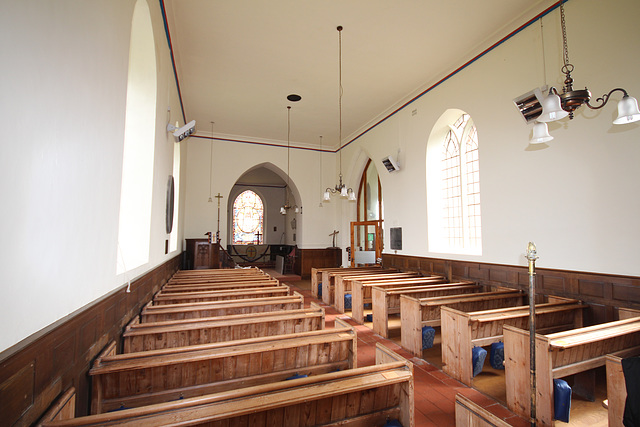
column 236, row 61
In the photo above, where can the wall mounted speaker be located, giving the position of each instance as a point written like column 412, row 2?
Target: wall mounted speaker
column 391, row 164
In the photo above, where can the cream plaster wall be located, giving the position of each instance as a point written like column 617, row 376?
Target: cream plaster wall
column 577, row 200
column 63, row 85
column 231, row 161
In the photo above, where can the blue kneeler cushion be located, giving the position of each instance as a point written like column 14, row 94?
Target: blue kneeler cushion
column 368, row 318
column 296, row 376
column 428, row 335
column 392, row 423
column 347, row 301
column 478, row 354
column 496, row 356
column 319, row 289
column 561, row 400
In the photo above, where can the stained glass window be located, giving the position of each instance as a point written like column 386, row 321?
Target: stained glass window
column 461, row 185
column 248, row 219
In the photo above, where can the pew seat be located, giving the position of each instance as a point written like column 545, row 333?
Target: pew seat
column 179, row 333
column 183, row 372
column 366, row 396
column 416, row 313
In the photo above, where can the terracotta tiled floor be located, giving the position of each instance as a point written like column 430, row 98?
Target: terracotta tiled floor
column 434, row 390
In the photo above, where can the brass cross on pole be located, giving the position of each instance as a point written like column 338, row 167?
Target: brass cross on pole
column 219, row 196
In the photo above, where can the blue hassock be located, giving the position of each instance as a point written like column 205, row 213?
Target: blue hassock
column 428, row 335
column 368, row 318
column 347, row 301
column 319, row 289
column 478, row 354
column 296, row 376
column 561, row 400
column 392, row 423
column 367, row 306
column 496, row 357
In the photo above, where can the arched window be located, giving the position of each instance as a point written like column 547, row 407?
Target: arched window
column 453, row 174
column 248, row 219
column 369, row 195
column 134, row 232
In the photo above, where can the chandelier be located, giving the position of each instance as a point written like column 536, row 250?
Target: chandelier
column 340, row 188
column 557, row 106
column 284, row 208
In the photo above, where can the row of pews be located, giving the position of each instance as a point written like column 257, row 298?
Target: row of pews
column 471, row 316
column 238, row 348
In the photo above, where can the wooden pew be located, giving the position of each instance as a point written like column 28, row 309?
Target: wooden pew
column 228, row 274
column 559, row 355
column 231, row 279
column 63, row 408
column 171, row 374
column 218, row 286
column 342, row 284
column 167, row 312
column 617, row 386
column 386, row 301
column 470, row 414
column 361, row 291
column 461, row 331
column 316, row 276
column 416, row 313
column 364, row 396
column 328, row 281
column 216, row 271
column 179, row 333
column 200, row 296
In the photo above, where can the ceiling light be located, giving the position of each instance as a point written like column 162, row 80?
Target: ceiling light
column 340, row 187
column 284, row 208
column 559, row 105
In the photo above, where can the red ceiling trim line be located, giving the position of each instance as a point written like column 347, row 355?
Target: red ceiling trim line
column 457, row 70
column 393, row 113
column 173, row 61
column 268, row 144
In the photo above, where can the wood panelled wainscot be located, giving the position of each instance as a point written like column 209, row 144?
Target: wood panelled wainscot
column 605, row 293
column 34, row 372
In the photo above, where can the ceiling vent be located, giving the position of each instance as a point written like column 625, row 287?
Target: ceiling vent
column 391, row 164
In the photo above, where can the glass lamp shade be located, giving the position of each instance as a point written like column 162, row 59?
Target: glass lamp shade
column 283, row 211
column 343, row 192
column 540, row 133
column 352, row 196
column 627, row 111
column 327, row 196
column 552, row 109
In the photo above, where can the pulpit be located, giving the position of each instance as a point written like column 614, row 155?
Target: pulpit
column 201, row 254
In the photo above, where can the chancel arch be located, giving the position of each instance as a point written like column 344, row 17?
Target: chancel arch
column 278, row 232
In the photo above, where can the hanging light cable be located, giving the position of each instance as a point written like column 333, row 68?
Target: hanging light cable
column 287, row 206
column 340, row 187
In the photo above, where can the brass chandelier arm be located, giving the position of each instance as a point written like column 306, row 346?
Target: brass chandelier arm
column 605, row 98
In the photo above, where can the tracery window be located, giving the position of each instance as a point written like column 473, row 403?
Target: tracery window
column 461, row 185
column 248, row 219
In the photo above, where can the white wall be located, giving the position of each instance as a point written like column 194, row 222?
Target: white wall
column 63, row 85
column 231, row 161
column 578, row 199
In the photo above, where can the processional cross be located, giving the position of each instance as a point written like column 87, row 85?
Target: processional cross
column 219, row 196
column 334, row 237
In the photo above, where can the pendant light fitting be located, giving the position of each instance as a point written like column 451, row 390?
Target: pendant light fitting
column 340, row 187
column 556, row 106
